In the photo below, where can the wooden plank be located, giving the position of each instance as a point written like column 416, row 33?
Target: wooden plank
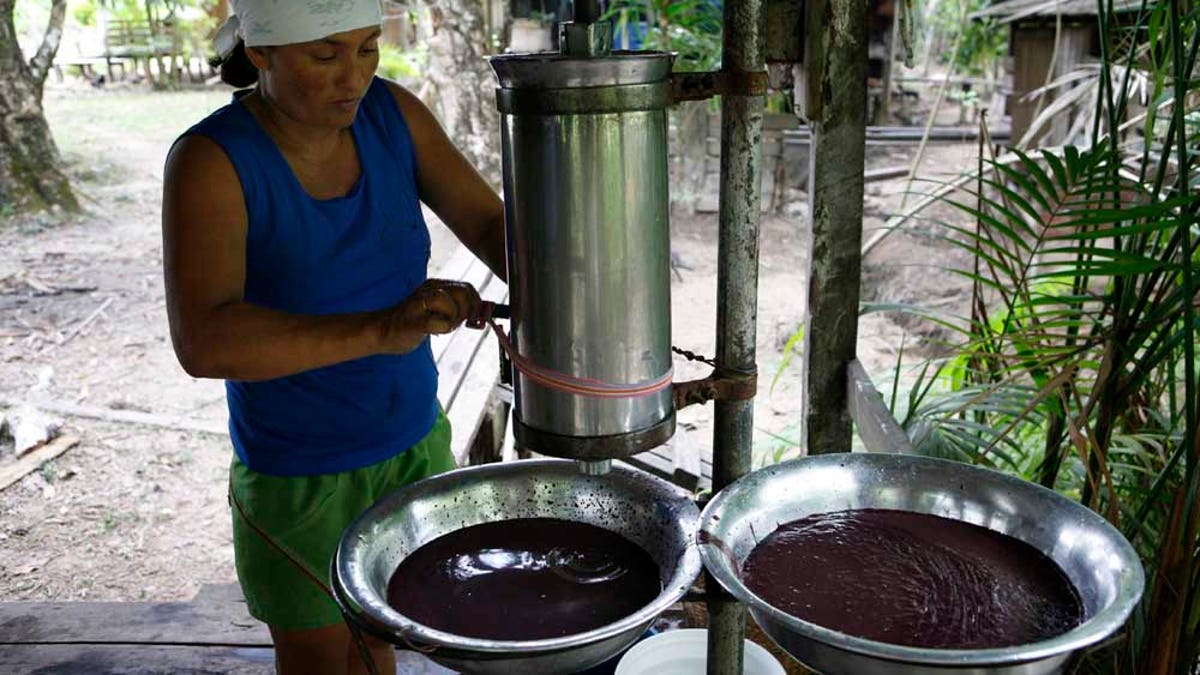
column 477, row 275
column 468, row 388
column 685, row 455
column 212, row 633
column 135, row 660
column 662, row 462
column 469, row 405
column 1031, row 50
column 654, row 462
column 459, row 356
column 129, row 659
column 35, row 458
column 885, row 173
column 167, row 623
column 128, row 416
column 1073, row 50
column 456, row 268
column 460, row 349
column 509, row 452
column 878, row 429
column 678, row 460
column 440, row 344
column 217, row 595
column 490, row 433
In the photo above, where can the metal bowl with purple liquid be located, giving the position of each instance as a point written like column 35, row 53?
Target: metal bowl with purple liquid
column 1101, row 565
column 649, row 512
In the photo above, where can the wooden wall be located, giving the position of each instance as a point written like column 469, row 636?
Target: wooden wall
column 1032, row 48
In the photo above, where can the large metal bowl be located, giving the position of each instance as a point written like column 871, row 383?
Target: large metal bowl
column 649, row 512
column 1103, row 566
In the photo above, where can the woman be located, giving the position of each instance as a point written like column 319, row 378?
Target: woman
column 295, row 260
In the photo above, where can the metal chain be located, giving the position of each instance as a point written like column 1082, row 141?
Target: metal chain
column 693, row 356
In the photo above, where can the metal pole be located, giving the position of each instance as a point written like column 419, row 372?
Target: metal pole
column 737, row 291
column 835, row 66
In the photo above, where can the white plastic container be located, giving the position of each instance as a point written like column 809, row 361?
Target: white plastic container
column 685, row 652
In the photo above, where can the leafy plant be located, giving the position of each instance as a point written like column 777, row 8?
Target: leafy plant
column 982, row 42
column 84, row 13
column 690, row 28
column 1077, row 365
column 401, row 65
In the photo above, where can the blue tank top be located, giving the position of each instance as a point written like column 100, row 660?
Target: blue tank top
column 362, row 252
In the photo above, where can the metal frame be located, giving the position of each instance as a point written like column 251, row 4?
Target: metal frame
column 833, row 97
column 737, row 295
column 595, row 448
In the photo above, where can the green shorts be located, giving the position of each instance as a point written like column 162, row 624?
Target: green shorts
column 306, row 516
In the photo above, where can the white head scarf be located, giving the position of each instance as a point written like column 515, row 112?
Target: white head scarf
column 267, row 23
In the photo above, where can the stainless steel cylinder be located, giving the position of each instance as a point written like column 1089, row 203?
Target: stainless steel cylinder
column 584, row 145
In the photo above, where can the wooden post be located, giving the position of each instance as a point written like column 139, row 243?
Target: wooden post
column 883, row 112
column 835, row 104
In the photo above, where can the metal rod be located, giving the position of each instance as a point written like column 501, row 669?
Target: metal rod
column 836, row 74
column 737, row 292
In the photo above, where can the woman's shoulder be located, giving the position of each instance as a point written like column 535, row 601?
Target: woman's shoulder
column 216, row 140
column 405, row 104
column 199, row 160
column 204, row 150
column 230, row 117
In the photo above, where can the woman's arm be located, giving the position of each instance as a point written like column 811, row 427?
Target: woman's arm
column 217, row 334
column 452, row 187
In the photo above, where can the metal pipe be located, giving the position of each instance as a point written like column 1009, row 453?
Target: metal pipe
column 737, row 292
column 598, row 467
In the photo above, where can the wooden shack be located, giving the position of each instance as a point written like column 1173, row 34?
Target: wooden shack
column 1035, row 27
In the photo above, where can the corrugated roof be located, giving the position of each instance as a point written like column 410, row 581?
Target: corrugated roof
column 1008, row 11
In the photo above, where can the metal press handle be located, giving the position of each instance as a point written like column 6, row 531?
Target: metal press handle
column 487, row 312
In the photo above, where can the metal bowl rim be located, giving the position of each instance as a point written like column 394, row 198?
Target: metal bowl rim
column 535, row 71
column 687, row 569
column 1088, row 633
column 615, row 55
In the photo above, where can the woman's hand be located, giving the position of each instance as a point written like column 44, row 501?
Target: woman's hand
column 437, row 306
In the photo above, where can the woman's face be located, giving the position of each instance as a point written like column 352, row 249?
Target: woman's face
column 319, row 83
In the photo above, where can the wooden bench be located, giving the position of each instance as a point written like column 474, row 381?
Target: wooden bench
column 212, row 633
column 129, row 39
column 86, row 64
column 126, row 41
column 468, row 362
column 88, row 56
column 678, row 461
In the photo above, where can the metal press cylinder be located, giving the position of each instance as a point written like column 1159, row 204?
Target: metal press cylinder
column 584, row 144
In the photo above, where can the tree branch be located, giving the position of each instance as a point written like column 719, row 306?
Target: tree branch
column 39, row 65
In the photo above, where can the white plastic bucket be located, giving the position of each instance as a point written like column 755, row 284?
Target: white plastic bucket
column 685, row 652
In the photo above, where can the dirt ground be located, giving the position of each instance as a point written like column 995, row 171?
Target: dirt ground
column 137, row 512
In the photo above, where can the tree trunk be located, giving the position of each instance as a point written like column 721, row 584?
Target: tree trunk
column 30, row 179
column 462, row 83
